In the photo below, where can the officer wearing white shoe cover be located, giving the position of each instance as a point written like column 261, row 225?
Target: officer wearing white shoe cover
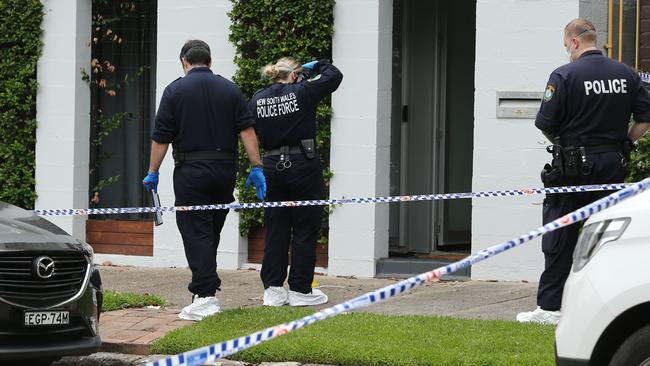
column 585, row 113
column 201, row 115
column 285, row 114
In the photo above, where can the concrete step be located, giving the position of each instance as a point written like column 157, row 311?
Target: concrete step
column 405, row 267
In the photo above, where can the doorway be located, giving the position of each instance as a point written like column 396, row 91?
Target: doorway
column 432, row 124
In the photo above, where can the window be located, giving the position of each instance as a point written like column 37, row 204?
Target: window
column 122, row 82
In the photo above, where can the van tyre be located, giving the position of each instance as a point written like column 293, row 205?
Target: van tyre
column 635, row 350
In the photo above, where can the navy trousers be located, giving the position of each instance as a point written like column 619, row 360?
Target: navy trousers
column 297, row 228
column 558, row 246
column 199, row 182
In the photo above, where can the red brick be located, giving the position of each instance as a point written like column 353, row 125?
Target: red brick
column 136, row 313
column 150, row 324
column 149, row 338
column 645, row 9
column 130, row 348
column 117, row 312
column 644, row 53
column 125, row 336
column 115, row 325
column 644, row 39
column 107, row 333
column 170, row 317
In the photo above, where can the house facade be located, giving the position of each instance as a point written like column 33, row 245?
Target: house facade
column 438, row 96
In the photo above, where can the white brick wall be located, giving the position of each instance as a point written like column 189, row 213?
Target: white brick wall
column 518, row 44
column 360, row 134
column 62, row 111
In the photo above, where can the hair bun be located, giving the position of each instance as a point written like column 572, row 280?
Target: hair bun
column 279, row 70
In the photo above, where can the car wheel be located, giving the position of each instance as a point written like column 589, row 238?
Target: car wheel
column 635, row 351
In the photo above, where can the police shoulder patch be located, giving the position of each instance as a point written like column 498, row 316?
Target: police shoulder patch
column 548, row 94
column 314, row 78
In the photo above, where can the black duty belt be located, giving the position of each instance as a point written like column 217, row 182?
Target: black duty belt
column 306, row 147
column 284, row 150
column 573, row 161
column 603, row 148
column 180, row 157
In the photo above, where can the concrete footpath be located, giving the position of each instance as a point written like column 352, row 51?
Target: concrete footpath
column 467, row 299
column 127, row 334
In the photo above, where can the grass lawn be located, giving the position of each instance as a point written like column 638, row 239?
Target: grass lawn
column 363, row 339
column 114, row 300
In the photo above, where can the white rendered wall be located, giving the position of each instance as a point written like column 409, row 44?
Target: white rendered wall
column 62, row 112
column 518, row 45
column 360, row 134
column 179, row 21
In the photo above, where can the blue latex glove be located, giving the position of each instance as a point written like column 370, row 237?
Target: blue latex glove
column 150, row 182
column 310, row 65
column 256, row 178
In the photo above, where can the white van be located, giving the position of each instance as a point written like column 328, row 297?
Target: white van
column 605, row 317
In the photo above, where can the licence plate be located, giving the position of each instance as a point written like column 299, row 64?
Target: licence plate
column 47, row 318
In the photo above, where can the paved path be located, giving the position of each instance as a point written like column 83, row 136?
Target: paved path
column 468, row 299
column 133, row 330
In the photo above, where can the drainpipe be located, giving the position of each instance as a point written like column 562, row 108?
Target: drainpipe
column 638, row 19
column 620, row 30
column 610, row 27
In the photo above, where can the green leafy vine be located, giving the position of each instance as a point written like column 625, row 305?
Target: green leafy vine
column 20, row 48
column 263, row 31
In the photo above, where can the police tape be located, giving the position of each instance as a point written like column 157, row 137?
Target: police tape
column 220, row 350
column 344, row 201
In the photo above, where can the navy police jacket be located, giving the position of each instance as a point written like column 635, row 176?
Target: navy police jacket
column 286, row 113
column 590, row 101
column 201, row 112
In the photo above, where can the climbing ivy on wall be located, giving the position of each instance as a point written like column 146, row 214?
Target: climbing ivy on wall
column 20, row 47
column 263, row 31
column 640, row 160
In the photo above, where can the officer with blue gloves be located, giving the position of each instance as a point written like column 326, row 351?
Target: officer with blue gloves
column 201, row 115
column 285, row 114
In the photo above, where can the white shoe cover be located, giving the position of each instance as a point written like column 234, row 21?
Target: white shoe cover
column 539, row 316
column 200, row 308
column 316, row 297
column 276, row 296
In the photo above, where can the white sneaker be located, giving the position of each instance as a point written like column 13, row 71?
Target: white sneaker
column 539, row 316
column 275, row 296
column 316, row 297
column 200, row 308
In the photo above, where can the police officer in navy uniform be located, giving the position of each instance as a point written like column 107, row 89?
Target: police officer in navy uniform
column 285, row 114
column 201, row 115
column 585, row 112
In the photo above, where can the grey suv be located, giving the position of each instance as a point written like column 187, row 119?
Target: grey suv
column 50, row 291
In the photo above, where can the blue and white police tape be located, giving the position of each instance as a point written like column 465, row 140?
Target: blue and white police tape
column 344, row 201
column 227, row 348
column 645, row 77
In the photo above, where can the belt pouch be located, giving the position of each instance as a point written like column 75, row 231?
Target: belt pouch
column 308, row 147
column 572, row 160
column 551, row 176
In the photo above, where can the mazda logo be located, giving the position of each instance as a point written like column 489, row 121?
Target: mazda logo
column 43, row 267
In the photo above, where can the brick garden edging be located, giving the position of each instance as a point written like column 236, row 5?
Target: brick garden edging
column 134, row 330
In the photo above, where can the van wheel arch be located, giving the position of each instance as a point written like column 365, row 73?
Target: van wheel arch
column 618, row 331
